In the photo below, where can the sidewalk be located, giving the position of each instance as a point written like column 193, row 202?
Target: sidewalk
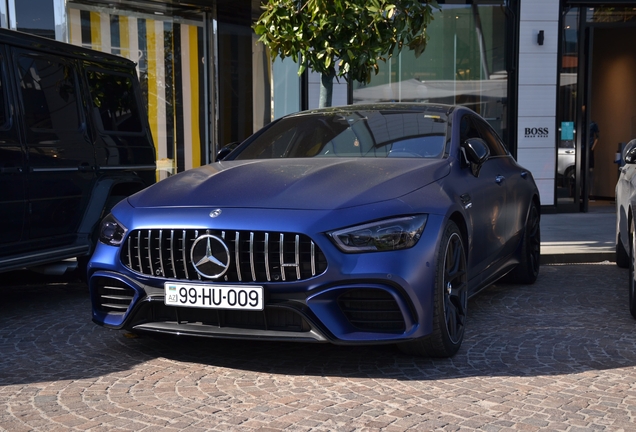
column 579, row 237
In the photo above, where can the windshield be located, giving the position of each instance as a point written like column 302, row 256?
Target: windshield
column 350, row 134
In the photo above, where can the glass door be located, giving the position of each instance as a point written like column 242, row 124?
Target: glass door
column 570, row 100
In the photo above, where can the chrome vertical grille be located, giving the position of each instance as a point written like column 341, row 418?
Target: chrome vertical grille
column 256, row 256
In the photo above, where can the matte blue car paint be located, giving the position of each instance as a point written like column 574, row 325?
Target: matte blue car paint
column 312, row 184
column 314, row 196
column 382, row 268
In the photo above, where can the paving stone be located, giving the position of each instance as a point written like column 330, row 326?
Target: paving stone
column 558, row 355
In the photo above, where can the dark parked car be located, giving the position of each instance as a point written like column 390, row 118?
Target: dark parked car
column 74, row 140
column 351, row 225
column 625, row 206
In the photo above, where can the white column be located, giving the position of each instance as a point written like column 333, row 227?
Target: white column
column 537, row 97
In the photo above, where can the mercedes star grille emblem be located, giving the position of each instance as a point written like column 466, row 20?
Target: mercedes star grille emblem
column 210, row 256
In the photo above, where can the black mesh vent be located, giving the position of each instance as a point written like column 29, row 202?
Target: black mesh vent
column 372, row 310
column 272, row 318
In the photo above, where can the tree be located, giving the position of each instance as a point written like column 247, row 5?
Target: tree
column 354, row 34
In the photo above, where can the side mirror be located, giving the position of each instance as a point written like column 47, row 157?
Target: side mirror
column 226, row 150
column 477, row 152
column 629, row 152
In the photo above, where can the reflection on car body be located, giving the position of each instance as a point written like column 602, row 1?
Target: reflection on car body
column 566, row 160
column 351, row 225
column 625, row 206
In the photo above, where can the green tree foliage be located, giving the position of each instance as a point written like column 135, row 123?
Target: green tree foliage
column 355, row 34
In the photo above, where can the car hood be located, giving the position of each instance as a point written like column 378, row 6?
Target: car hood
column 293, row 183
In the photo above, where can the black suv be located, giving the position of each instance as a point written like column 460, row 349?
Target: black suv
column 74, row 140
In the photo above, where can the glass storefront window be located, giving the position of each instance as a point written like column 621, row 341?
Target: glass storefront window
column 611, row 14
column 464, row 63
column 286, row 89
column 170, row 53
column 567, row 114
column 35, row 17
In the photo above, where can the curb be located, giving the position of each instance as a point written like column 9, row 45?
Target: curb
column 577, row 258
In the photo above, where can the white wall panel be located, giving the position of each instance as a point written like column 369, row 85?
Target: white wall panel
column 539, row 10
column 537, row 93
column 535, row 138
column 539, row 161
column 528, row 31
column 537, row 101
column 538, row 68
column 546, row 191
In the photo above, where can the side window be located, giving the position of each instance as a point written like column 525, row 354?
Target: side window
column 114, row 101
column 467, row 129
column 49, row 93
column 496, row 146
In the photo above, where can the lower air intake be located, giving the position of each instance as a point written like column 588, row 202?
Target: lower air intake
column 372, row 310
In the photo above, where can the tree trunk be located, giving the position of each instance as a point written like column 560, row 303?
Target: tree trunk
column 326, row 90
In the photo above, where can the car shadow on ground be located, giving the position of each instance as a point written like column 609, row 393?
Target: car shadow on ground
column 573, row 320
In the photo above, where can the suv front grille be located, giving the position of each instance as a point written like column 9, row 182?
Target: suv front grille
column 255, row 256
column 372, row 310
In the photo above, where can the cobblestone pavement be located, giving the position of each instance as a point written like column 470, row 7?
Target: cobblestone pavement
column 558, row 355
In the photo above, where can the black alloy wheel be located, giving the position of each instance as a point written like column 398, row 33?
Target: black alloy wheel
column 455, row 288
column 450, row 300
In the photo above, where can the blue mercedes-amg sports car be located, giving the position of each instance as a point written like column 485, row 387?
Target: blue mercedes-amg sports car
column 361, row 224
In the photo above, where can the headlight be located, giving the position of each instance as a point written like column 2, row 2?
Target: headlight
column 112, row 232
column 385, row 235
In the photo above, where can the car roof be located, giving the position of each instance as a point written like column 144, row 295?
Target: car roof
column 39, row 43
column 426, row 108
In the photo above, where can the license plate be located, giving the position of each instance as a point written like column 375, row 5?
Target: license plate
column 214, row 297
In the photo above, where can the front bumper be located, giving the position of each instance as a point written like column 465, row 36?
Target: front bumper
column 367, row 298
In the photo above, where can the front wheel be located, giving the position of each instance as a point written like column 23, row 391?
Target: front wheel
column 632, row 259
column 622, row 256
column 450, row 300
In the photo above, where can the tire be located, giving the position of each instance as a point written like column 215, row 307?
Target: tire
column 632, row 282
column 527, row 270
column 450, row 300
column 623, row 258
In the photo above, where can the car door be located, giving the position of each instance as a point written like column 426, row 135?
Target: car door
column 60, row 155
column 512, row 185
column 487, row 197
column 12, row 170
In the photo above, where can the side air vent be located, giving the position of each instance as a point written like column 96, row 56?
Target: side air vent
column 113, row 296
column 372, row 310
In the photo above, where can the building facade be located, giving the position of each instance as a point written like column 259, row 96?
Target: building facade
column 550, row 76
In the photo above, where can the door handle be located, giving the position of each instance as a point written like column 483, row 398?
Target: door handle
column 499, row 179
column 85, row 167
column 10, row 170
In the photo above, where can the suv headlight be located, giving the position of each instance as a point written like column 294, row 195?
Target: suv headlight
column 384, row 235
column 112, row 231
